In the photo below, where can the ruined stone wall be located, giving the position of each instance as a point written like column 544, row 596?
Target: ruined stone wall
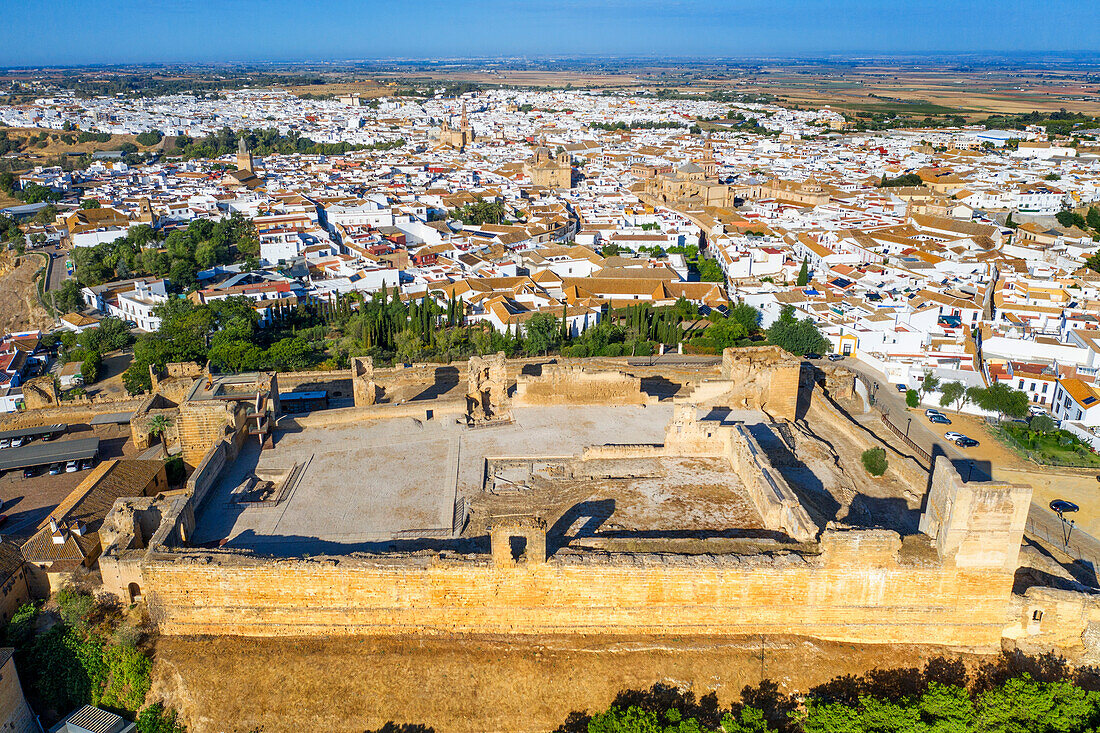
column 79, row 410
column 857, row 590
column 364, row 388
column 568, row 384
column 975, row 524
column 767, row 489
column 206, row 473
column 1049, row 620
column 201, row 425
column 338, row 383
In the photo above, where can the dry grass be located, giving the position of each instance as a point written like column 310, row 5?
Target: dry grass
column 57, row 147
column 474, row 685
column 19, row 306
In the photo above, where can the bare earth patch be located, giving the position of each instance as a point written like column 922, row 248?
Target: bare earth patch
column 19, row 306
column 474, row 684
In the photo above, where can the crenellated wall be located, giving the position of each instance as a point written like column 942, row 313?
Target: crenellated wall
column 859, row 589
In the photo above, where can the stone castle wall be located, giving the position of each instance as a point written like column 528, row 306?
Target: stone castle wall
column 857, row 590
column 568, row 384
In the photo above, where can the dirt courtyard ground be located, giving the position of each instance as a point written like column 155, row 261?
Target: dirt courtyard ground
column 475, row 684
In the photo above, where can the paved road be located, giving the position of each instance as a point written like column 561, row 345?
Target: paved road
column 57, row 272
column 1043, row 524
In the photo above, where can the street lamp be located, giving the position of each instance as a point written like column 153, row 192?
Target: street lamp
column 1061, row 507
column 910, row 422
column 969, row 470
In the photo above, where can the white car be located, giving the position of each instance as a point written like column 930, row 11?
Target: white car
column 930, row 412
column 72, row 467
column 5, row 443
column 953, row 436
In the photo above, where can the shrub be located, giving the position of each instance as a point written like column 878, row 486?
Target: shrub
column 1042, row 424
column 126, row 636
column 89, row 370
column 175, row 470
column 874, row 460
column 155, row 719
column 912, row 398
column 75, row 607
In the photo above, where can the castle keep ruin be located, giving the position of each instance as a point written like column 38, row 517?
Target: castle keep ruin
column 711, row 511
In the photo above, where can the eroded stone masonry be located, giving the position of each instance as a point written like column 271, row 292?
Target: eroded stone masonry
column 573, row 497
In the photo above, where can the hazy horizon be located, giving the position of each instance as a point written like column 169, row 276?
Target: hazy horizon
column 95, row 32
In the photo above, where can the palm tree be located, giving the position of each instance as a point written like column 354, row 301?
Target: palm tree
column 158, row 425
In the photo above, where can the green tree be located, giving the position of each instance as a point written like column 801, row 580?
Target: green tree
column 1070, row 219
column 747, row 316
column 1002, row 399
column 1042, row 424
column 158, row 425
column 912, row 398
column 89, row 370
column 291, row 354
column 930, row 384
column 90, row 204
column 725, row 333
column 796, row 336
column 803, row 274
column 952, row 393
column 541, row 334
column 1092, row 218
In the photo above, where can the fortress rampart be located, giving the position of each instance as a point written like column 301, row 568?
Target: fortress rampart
column 861, row 587
column 951, row 584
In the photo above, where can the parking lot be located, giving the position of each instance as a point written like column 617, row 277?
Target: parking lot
column 27, row 501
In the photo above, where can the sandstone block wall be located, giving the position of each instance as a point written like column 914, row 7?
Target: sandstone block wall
column 201, row 425
column 364, row 389
column 832, row 597
column 568, row 384
column 975, row 524
column 40, row 392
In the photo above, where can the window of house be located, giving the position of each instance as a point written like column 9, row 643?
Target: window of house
column 1036, row 615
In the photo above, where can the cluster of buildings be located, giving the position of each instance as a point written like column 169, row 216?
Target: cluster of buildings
column 966, row 274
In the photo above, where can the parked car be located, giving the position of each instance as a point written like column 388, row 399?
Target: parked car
column 939, row 419
column 87, row 463
column 1036, row 410
column 30, row 472
column 72, row 467
column 835, row 357
column 930, row 412
column 16, row 442
column 902, row 387
column 813, row 355
column 49, row 436
column 965, row 442
column 1063, row 507
column 56, row 468
column 5, row 443
column 953, row 436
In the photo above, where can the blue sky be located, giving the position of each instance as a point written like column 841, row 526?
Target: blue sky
column 39, row 32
